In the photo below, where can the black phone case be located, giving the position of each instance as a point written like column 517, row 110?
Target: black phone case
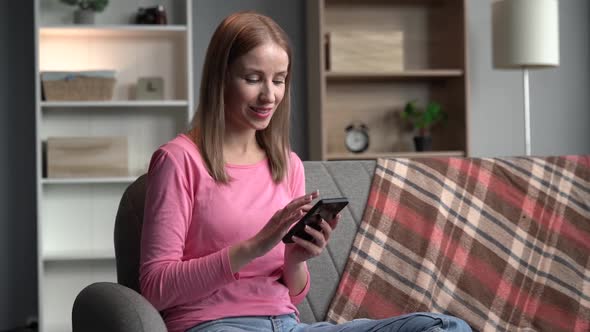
column 326, row 209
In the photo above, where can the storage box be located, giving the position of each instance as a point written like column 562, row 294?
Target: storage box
column 86, row 157
column 363, row 51
column 81, row 85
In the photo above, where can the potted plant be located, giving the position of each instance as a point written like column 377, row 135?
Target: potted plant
column 423, row 119
column 86, row 9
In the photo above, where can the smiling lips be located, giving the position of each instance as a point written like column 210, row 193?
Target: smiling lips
column 261, row 112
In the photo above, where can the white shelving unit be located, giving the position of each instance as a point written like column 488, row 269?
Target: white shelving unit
column 76, row 215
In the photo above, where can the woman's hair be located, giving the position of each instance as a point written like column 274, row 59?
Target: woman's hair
column 235, row 36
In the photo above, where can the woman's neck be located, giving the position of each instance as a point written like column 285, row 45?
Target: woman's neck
column 242, row 148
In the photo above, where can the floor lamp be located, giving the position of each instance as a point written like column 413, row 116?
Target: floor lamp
column 525, row 36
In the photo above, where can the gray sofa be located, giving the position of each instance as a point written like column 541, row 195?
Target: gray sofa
column 107, row 306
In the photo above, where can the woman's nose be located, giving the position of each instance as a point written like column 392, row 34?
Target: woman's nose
column 267, row 93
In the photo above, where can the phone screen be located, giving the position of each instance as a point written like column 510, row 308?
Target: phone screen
column 326, row 209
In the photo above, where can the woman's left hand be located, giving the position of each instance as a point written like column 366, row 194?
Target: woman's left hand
column 302, row 250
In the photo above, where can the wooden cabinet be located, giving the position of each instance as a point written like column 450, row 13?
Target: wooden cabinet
column 432, row 37
column 76, row 214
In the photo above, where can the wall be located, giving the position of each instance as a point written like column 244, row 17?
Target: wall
column 207, row 14
column 559, row 101
column 560, row 116
column 18, row 262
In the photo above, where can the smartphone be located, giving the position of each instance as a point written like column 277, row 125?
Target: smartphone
column 326, row 209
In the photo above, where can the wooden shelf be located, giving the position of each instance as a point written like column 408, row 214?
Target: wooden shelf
column 345, row 39
column 403, row 75
column 390, row 2
column 376, row 155
column 114, row 103
column 106, row 180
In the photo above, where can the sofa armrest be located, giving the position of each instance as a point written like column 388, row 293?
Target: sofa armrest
column 107, row 306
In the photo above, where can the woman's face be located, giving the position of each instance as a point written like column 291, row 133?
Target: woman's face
column 255, row 87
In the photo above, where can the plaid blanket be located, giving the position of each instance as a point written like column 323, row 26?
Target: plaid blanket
column 503, row 243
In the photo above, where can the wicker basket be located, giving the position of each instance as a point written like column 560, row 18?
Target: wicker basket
column 78, row 87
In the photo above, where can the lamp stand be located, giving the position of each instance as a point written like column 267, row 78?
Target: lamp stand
column 527, row 111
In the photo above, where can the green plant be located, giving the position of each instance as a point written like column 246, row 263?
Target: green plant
column 95, row 5
column 423, row 118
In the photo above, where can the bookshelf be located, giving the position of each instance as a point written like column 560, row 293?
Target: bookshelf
column 434, row 68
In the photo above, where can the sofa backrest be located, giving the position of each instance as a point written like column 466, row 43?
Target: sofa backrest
column 333, row 178
column 127, row 235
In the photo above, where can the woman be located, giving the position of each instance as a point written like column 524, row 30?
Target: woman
column 221, row 197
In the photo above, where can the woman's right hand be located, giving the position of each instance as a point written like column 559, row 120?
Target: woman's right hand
column 272, row 233
column 280, row 223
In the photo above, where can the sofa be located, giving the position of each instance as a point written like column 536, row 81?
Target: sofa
column 107, row 306
column 347, row 279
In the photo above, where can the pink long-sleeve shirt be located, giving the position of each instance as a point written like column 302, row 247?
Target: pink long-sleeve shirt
column 190, row 221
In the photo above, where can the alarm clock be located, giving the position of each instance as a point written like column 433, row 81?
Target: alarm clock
column 356, row 138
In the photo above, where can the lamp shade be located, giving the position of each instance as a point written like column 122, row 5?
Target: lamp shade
column 525, row 33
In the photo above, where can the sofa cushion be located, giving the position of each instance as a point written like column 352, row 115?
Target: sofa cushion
column 127, row 233
column 334, row 179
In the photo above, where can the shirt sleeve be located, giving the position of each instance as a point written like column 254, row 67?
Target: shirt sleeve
column 297, row 180
column 166, row 279
column 298, row 298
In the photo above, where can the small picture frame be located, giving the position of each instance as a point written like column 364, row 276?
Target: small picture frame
column 150, row 88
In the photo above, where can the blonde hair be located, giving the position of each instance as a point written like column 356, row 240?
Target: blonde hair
column 235, row 36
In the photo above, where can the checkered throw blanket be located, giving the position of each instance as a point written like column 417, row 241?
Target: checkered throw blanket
column 503, row 243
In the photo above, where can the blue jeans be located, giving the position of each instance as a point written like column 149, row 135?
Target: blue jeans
column 420, row 321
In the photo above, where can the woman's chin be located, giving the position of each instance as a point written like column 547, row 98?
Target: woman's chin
column 259, row 124
column 260, row 127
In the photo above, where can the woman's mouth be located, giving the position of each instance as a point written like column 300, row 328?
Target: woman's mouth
column 261, row 112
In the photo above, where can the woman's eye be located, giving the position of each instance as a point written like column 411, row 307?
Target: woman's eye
column 278, row 82
column 252, row 79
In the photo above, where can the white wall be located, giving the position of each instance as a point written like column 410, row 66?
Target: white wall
column 560, row 115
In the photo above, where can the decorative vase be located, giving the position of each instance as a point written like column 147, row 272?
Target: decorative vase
column 84, row 16
column 423, row 143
